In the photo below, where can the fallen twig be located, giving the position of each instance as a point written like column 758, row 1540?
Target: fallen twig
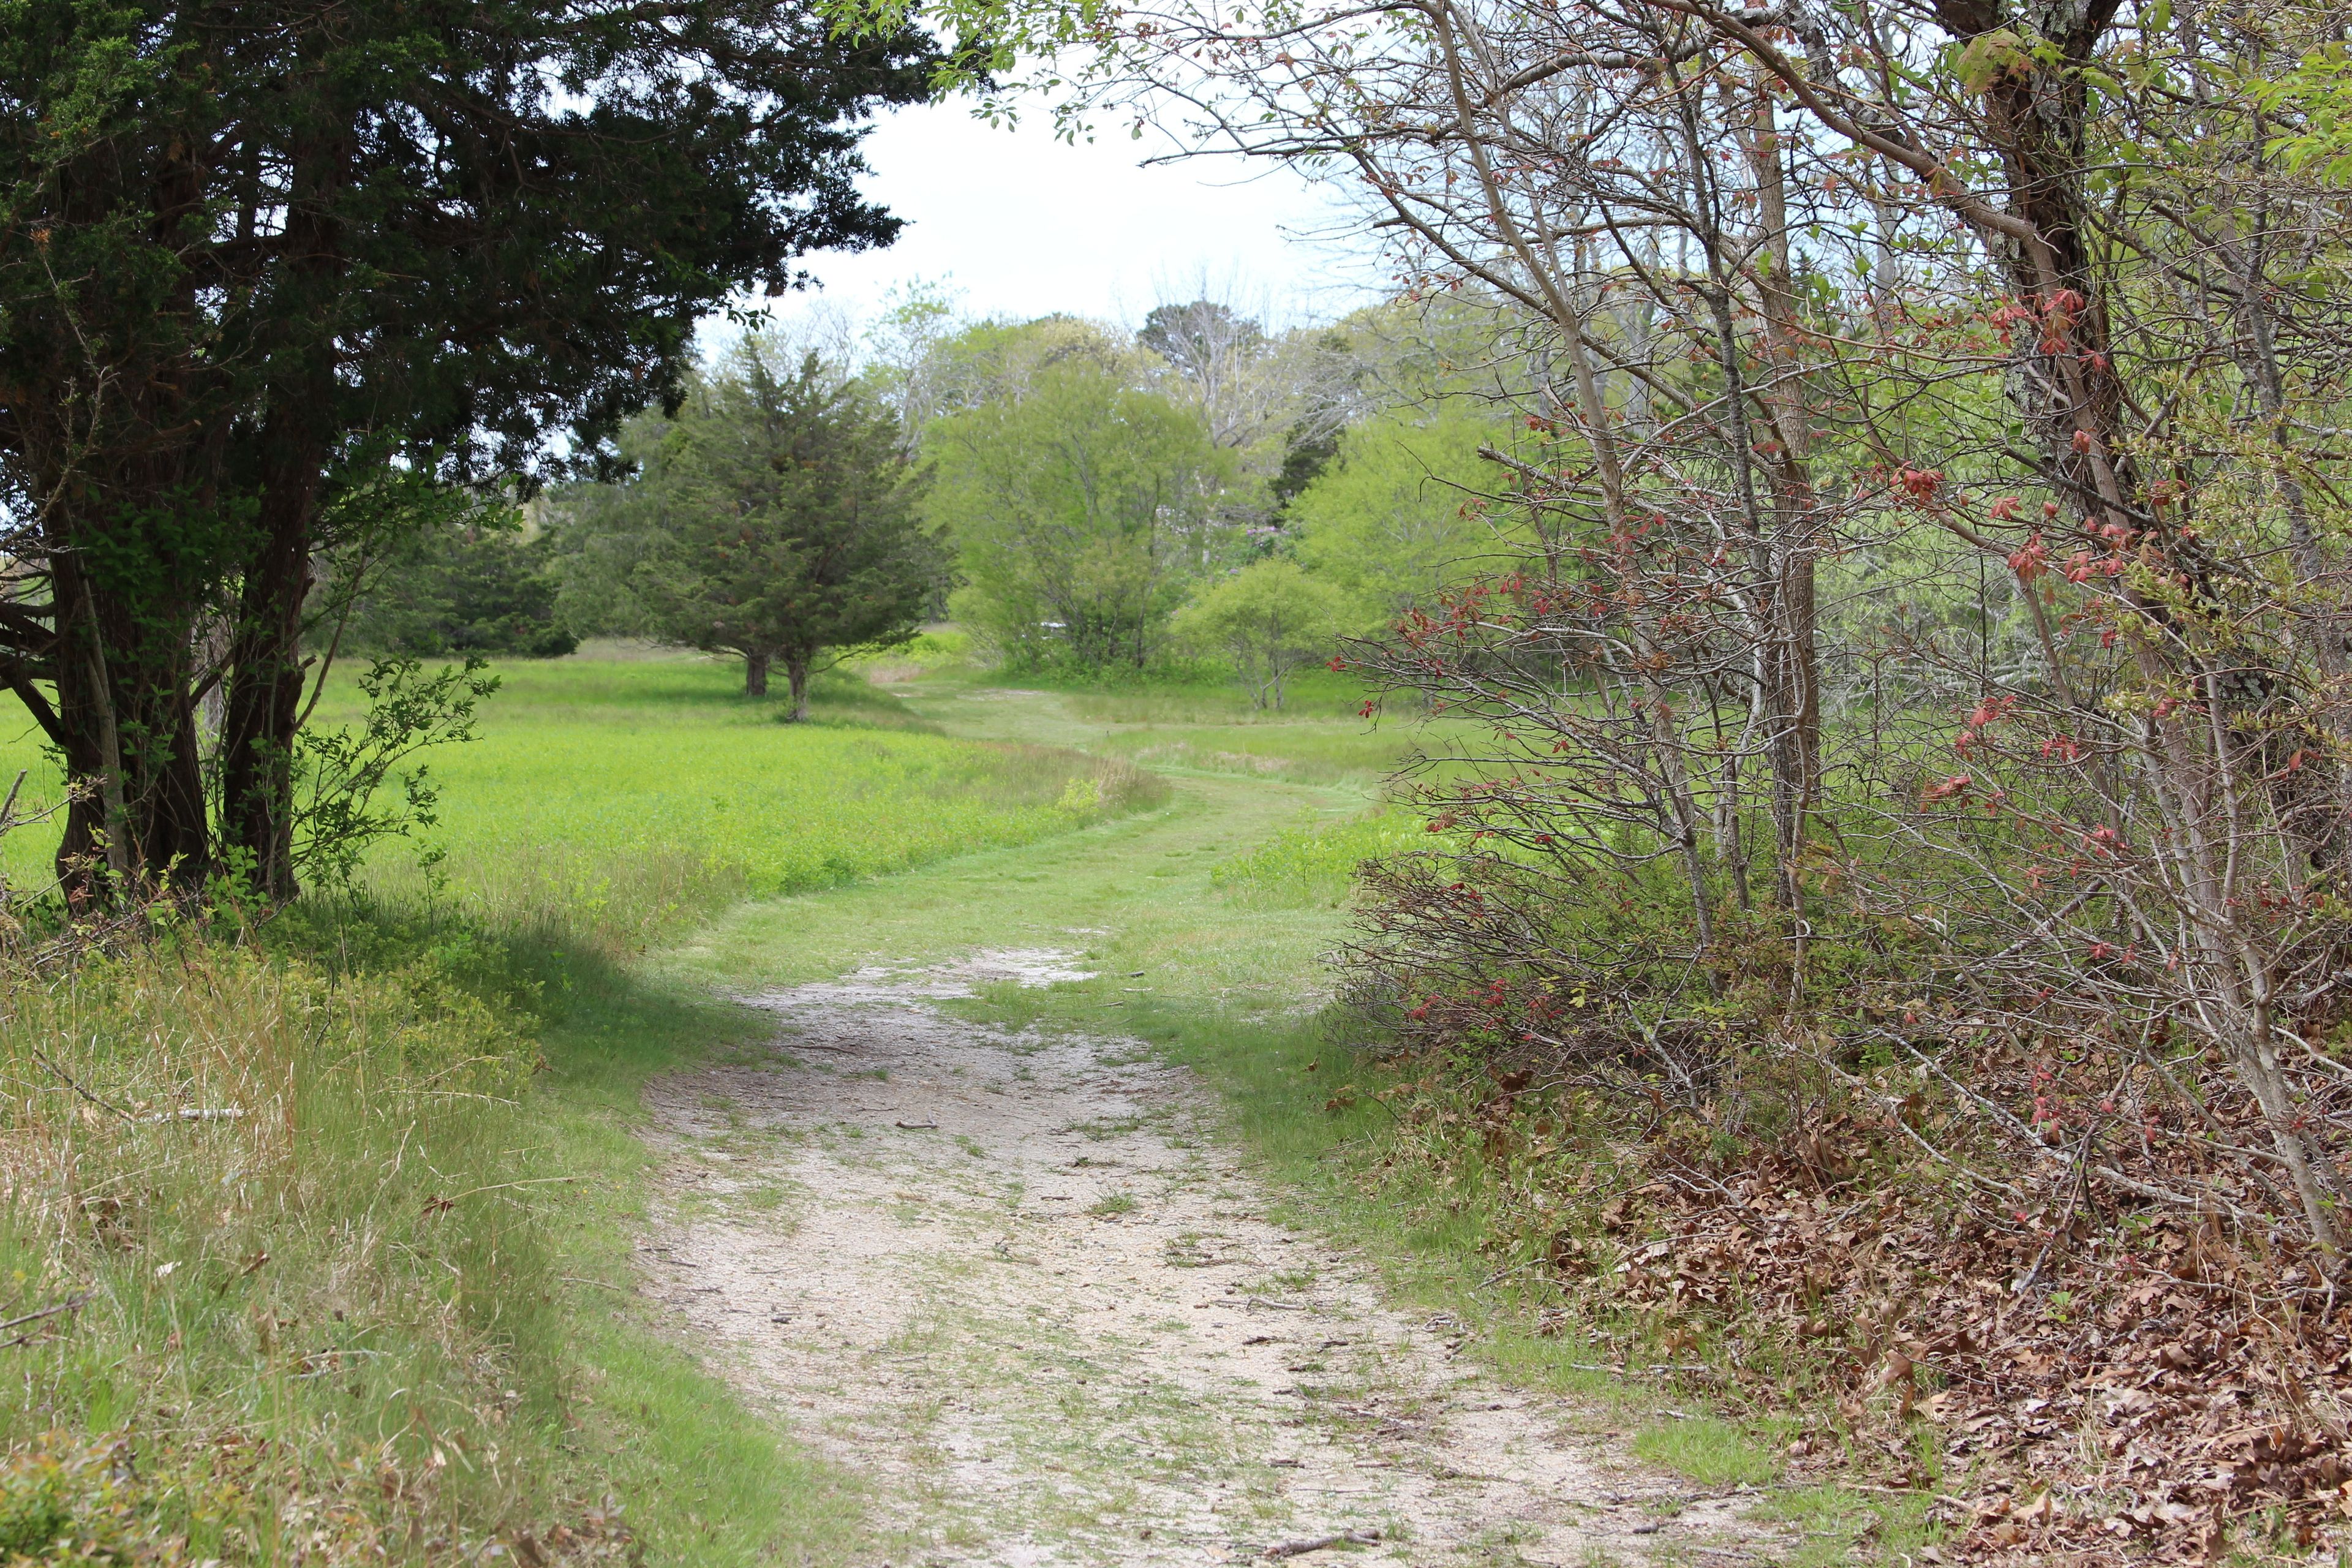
column 917, row 1126
column 70, row 1304
column 77, row 1088
column 1323, row 1543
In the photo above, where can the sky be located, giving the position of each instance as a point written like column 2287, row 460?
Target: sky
column 1020, row 225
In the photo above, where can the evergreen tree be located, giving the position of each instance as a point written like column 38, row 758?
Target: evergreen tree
column 775, row 519
column 479, row 588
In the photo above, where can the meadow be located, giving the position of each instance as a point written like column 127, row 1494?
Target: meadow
column 391, row 1307
column 620, row 794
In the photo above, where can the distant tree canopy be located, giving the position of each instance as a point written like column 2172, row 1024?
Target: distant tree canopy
column 1271, row 618
column 255, row 252
column 1082, row 505
column 1401, row 510
column 774, row 517
column 1092, row 479
column 477, row 586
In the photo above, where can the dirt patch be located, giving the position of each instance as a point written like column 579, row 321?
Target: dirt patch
column 1018, row 1283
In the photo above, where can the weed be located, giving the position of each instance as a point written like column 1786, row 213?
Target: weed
column 1710, row 1451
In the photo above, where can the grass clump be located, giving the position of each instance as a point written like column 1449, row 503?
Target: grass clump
column 1315, row 864
column 379, row 1301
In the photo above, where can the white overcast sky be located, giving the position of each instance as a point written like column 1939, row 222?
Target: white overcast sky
column 1021, row 225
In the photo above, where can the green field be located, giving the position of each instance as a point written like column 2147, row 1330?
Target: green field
column 617, row 795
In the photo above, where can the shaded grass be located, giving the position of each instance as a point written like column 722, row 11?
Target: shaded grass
column 349, row 1320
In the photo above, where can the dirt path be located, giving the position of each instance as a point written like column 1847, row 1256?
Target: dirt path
column 1018, row 1283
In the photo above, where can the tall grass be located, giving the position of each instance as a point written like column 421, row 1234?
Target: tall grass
column 1314, row 864
column 300, row 1290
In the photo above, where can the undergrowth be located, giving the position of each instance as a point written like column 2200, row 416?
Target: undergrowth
column 293, row 1278
column 328, row 1222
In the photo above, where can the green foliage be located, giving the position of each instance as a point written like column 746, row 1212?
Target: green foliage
column 64, row 1501
column 254, row 257
column 339, row 771
column 1269, row 618
column 775, row 519
column 478, row 588
column 1400, row 511
column 990, row 361
column 2316, row 98
column 1081, row 507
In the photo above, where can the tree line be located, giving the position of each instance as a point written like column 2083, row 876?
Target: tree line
column 1095, row 500
column 1105, row 503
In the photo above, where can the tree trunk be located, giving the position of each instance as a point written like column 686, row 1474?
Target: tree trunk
column 1793, row 680
column 130, row 732
column 2208, row 776
column 755, row 675
column 263, row 705
column 796, row 674
column 97, row 832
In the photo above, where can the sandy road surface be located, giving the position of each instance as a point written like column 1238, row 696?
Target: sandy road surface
column 1016, row 1282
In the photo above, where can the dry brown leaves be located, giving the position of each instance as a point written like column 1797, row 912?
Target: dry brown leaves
column 2104, row 1378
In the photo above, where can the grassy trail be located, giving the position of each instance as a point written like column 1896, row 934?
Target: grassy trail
column 1048, row 1301
column 1140, row 882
